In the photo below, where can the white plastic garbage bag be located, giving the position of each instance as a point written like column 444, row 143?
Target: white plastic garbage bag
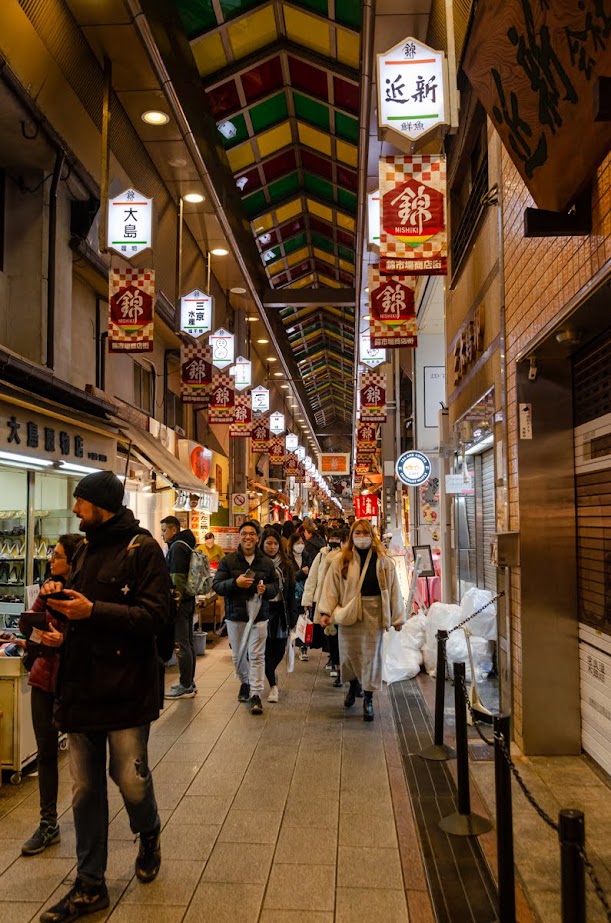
column 440, row 615
column 413, row 633
column 399, row 660
column 484, row 624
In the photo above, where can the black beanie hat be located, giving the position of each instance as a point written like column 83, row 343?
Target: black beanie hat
column 103, row 489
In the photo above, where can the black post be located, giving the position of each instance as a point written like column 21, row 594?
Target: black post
column 463, row 822
column 504, row 822
column 439, row 750
column 572, row 835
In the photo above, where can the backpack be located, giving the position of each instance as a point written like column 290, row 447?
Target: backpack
column 199, row 576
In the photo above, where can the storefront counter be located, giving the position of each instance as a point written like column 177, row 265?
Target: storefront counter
column 18, row 743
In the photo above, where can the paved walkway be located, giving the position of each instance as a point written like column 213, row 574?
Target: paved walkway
column 278, row 818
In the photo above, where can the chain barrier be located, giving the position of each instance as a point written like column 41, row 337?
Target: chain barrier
column 598, row 888
column 477, row 612
column 475, row 720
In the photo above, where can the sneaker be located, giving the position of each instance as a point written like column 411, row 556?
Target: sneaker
column 148, row 859
column 244, row 693
column 256, row 707
column 180, row 692
column 303, row 653
column 334, row 672
column 337, row 682
column 79, row 901
column 46, row 835
column 329, row 665
column 273, row 694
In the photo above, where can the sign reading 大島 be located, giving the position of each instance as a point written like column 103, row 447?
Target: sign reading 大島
column 411, row 92
column 130, row 223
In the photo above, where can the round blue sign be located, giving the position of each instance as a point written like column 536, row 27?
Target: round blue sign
column 413, row 468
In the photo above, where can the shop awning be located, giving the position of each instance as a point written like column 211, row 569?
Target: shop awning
column 160, row 459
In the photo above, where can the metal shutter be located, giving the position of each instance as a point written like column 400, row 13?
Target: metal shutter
column 488, row 521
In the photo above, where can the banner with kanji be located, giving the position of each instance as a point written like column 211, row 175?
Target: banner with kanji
column 300, row 477
column 392, row 310
column 277, row 452
column 195, row 372
column 259, row 436
column 131, row 308
column 366, row 506
column 222, row 400
column 291, row 465
column 413, row 236
column 366, row 435
column 242, row 417
column 373, row 397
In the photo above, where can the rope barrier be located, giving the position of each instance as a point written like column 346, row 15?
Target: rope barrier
column 477, row 612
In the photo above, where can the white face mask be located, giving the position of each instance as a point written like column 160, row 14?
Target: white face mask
column 362, row 541
column 298, row 548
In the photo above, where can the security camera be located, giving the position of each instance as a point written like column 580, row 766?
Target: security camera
column 533, row 370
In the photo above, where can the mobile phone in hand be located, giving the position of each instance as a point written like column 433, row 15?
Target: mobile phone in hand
column 59, row 594
column 248, row 573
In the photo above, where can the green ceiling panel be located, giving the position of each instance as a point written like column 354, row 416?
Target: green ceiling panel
column 269, row 113
column 348, row 12
column 197, row 16
column 346, row 127
column 232, row 8
column 254, row 204
column 319, row 6
column 295, row 243
column 311, row 111
column 241, row 132
column 323, row 242
column 346, row 254
column 319, row 186
column 347, row 200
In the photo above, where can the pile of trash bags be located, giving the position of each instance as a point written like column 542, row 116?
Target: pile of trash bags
column 406, row 651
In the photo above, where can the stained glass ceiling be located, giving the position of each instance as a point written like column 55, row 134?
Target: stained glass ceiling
column 282, row 82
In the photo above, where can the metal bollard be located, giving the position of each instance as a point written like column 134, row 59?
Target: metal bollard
column 572, row 836
column 463, row 822
column 504, row 822
column 438, row 750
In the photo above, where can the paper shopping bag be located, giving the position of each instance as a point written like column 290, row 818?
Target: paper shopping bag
column 305, row 630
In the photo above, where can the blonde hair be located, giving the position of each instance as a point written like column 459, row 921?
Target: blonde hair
column 376, row 545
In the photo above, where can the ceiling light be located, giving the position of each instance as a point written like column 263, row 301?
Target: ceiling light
column 262, row 340
column 177, row 162
column 25, row 460
column 366, row 289
column 252, row 318
column 194, row 197
column 154, row 117
column 238, row 290
column 367, row 317
column 271, row 359
column 284, row 386
column 278, row 374
column 219, row 251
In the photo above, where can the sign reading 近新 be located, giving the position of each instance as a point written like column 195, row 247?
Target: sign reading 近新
column 412, row 92
column 130, row 223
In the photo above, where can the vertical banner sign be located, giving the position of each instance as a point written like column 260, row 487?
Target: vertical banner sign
column 196, row 313
column 392, row 310
column 131, row 303
column 373, row 219
column 300, row 477
column 242, row 417
column 259, row 397
column 413, row 238
column 363, row 464
column 366, row 436
column 291, row 465
column 223, row 349
column 259, row 436
column 276, row 423
column 222, row 400
column 366, row 506
column 276, row 451
column 195, row 372
column 130, row 223
column 411, row 92
column 291, row 442
column 373, row 397
column 368, row 355
column 241, row 373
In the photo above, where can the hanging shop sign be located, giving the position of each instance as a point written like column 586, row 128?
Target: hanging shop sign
column 277, row 451
column 291, row 442
column 373, row 219
column 276, row 423
column 412, row 92
column 242, row 417
column 368, row 354
column 366, row 435
column 130, row 223
column 241, row 373
column 223, row 349
column 334, row 463
column 259, row 435
column 200, row 459
column 366, row 506
column 413, row 468
column 300, row 453
column 196, row 313
column 222, row 400
column 291, row 465
column 392, row 310
column 259, row 397
column 469, row 345
column 362, row 465
column 373, row 397
column 300, row 477
column 413, row 238
column 534, row 67
column 131, row 303
column 308, row 463
column 195, row 372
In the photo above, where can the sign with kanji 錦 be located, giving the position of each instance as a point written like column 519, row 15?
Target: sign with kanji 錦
column 242, row 417
column 369, row 355
column 300, row 477
column 277, row 451
column 195, row 372
column 392, row 310
column 259, row 436
column 241, row 373
column 412, row 92
column 291, row 465
column 373, row 397
column 196, row 313
column 222, row 400
column 223, row 349
column 131, row 303
column 413, row 238
column 334, row 463
column 130, row 223
column 259, row 397
column 366, row 506
column 366, row 435
column 276, row 423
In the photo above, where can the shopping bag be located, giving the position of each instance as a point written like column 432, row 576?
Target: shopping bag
column 289, row 655
column 305, row 630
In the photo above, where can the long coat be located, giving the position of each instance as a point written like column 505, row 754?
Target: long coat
column 338, row 591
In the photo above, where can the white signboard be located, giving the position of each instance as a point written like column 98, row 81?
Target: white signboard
column 434, row 393
column 300, row 453
column 291, row 442
column 456, row 484
column 525, row 421
column 308, row 463
column 242, row 373
column 130, row 223
column 373, row 219
column 260, row 399
column 368, row 355
column 223, row 350
column 276, row 423
column 412, row 91
column 196, row 313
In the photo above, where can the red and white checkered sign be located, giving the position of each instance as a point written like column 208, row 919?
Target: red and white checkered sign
column 242, row 417
column 259, row 436
column 373, row 397
column 131, row 309
column 277, row 451
column 222, row 400
column 413, row 237
column 366, row 436
column 392, row 310
column 195, row 372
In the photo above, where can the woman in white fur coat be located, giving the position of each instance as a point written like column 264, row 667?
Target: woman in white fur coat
column 382, row 607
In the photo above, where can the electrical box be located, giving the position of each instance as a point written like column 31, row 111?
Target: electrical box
column 505, row 549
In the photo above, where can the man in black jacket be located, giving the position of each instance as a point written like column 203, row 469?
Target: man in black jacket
column 180, row 545
column 108, row 684
column 239, row 577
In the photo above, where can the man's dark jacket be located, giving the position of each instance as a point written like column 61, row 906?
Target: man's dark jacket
column 109, row 669
column 224, row 583
column 178, row 559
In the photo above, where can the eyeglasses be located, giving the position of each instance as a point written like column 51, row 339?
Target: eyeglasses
column 58, row 557
column 248, row 534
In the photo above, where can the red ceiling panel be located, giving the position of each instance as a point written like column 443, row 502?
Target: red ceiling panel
column 311, row 79
column 224, row 99
column 346, row 95
column 262, row 79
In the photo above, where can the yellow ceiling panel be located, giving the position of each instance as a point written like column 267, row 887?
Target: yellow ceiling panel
column 298, row 256
column 348, row 48
column 346, row 266
column 276, row 267
column 317, row 140
column 324, row 256
column 289, row 211
column 345, row 221
column 209, row 53
column 274, row 139
column 301, row 283
column 347, row 152
column 332, row 283
column 307, row 30
column 263, row 223
column 241, row 157
column 321, row 211
column 253, row 32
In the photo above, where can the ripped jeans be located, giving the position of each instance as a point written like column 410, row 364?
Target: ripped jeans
column 128, row 768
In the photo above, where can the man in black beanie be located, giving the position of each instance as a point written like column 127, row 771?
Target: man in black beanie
column 119, row 600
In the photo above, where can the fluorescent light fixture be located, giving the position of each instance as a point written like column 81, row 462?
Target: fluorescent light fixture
column 271, row 359
column 219, row 251
column 278, row 374
column 238, row 290
column 481, row 446
column 284, row 386
column 25, row 460
column 78, row 469
column 262, row 340
column 194, row 197
column 155, row 117
column 252, row 318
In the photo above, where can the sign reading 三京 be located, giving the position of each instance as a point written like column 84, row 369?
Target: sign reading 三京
column 291, row 442
column 413, row 238
column 392, row 310
column 369, row 355
column 276, row 423
column 373, row 397
column 373, row 219
column 131, row 303
column 336, row 463
column 130, row 223
column 413, row 468
column 260, row 399
column 195, row 372
column 223, row 350
column 241, row 373
column 534, row 66
column 222, row 400
column 239, row 428
column 196, row 313
column 412, row 81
